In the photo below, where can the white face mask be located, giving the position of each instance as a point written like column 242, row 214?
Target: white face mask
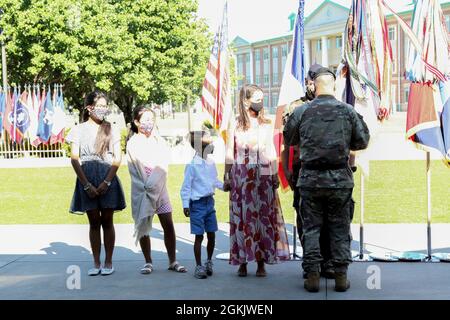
column 100, row 113
column 146, row 127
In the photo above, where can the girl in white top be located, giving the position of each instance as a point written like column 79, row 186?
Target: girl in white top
column 148, row 163
column 96, row 157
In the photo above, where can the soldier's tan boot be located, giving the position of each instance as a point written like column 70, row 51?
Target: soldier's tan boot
column 312, row 283
column 341, row 282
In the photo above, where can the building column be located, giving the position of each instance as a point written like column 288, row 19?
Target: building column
column 307, row 56
column 342, row 46
column 324, row 51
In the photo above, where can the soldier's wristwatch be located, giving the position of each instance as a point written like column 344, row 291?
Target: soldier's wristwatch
column 108, row 183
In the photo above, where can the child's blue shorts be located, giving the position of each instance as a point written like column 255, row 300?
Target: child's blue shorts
column 203, row 215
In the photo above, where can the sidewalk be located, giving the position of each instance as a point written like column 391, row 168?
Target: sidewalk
column 34, row 261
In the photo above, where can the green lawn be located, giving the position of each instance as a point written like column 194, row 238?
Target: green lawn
column 395, row 192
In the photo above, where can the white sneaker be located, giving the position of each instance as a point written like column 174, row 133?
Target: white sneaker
column 107, row 271
column 94, row 272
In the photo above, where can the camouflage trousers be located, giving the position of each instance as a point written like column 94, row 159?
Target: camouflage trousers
column 324, row 238
column 336, row 207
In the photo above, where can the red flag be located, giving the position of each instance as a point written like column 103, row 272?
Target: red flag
column 8, row 110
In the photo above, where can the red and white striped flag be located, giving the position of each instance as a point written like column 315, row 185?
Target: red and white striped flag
column 216, row 92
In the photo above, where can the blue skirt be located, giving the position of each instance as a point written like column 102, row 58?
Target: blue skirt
column 96, row 172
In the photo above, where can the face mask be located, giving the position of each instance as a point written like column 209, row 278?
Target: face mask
column 146, row 127
column 257, row 107
column 310, row 94
column 208, row 148
column 100, row 113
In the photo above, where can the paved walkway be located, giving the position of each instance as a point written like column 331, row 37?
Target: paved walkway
column 34, row 260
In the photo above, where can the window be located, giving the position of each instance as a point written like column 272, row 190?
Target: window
column 392, row 38
column 266, row 54
column 258, row 80
column 392, row 33
column 275, row 65
column 406, row 94
column 240, row 62
column 266, row 80
column 284, row 50
column 274, row 100
column 319, row 45
column 275, row 79
column 257, row 55
column 266, row 66
column 447, row 22
column 284, row 53
column 247, row 68
column 257, row 67
column 266, row 100
column 338, row 42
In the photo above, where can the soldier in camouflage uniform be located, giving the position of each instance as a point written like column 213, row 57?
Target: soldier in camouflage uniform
column 326, row 130
column 292, row 176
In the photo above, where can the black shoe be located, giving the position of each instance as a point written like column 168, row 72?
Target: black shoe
column 341, row 282
column 312, row 283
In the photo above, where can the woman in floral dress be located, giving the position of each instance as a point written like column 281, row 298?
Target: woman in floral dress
column 257, row 229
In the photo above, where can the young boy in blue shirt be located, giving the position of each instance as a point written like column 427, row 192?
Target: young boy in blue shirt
column 197, row 195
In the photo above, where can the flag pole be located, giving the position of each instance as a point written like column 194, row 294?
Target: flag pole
column 428, row 206
column 295, row 256
column 189, row 111
column 360, row 256
column 4, row 73
column 361, row 223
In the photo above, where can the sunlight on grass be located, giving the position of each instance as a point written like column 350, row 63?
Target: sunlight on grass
column 395, row 192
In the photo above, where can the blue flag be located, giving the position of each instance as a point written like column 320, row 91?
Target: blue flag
column 46, row 119
column 298, row 47
column 22, row 120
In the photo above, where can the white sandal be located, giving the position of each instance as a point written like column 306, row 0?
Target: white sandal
column 177, row 267
column 147, row 269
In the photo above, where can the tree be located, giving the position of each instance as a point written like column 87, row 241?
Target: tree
column 139, row 51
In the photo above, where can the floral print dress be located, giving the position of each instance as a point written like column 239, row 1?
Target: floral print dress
column 257, row 229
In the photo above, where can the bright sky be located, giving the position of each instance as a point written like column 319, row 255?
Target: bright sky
column 263, row 19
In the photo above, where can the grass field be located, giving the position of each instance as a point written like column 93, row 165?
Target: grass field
column 395, row 193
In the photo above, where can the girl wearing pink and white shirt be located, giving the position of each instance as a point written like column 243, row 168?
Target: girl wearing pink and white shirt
column 148, row 163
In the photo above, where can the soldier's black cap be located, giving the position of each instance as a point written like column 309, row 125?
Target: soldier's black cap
column 323, row 71
column 313, row 70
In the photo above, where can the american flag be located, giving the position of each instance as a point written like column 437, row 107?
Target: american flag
column 216, row 92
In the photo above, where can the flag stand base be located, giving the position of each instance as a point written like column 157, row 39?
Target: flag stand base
column 383, row 256
column 358, row 257
column 440, row 257
column 412, row 257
